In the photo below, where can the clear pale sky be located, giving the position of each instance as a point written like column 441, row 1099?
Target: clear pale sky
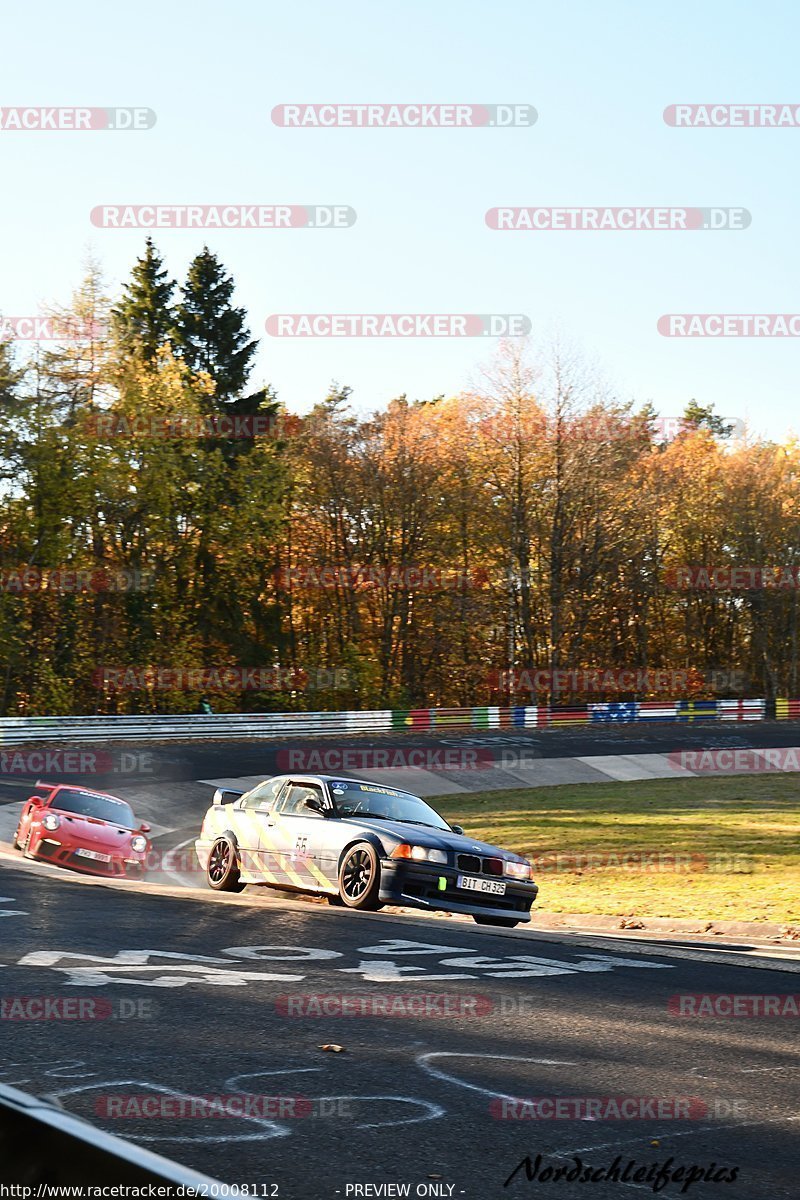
column 599, row 75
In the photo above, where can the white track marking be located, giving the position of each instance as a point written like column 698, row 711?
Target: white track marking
column 268, row 1129
column 11, row 912
column 386, row 971
column 423, row 1062
column 182, row 974
column 285, row 953
column 434, row 1111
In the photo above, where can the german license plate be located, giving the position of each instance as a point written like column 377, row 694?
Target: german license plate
column 94, row 854
column 481, row 885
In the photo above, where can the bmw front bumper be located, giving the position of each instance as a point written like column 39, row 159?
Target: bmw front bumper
column 418, row 884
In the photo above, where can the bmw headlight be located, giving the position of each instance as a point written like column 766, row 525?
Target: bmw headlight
column 51, row 821
column 139, row 843
column 518, row 870
column 419, row 853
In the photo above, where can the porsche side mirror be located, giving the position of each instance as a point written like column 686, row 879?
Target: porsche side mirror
column 144, row 827
column 457, row 829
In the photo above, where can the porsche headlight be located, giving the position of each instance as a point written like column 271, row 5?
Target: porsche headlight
column 139, row 843
column 518, row 870
column 419, row 853
column 51, row 821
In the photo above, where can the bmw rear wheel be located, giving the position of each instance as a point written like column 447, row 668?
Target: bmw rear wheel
column 222, row 871
column 360, row 877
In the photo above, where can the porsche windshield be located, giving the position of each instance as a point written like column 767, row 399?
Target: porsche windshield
column 102, row 808
column 369, row 800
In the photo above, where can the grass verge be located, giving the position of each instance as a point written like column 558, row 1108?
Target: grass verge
column 722, row 848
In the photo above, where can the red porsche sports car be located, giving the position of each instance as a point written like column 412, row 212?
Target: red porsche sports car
column 89, row 831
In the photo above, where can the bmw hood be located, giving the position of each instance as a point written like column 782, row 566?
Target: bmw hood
column 393, row 832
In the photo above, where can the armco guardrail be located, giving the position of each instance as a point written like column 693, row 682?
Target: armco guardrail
column 42, row 1146
column 20, row 730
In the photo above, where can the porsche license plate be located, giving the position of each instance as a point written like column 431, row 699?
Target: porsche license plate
column 481, row 885
column 94, row 854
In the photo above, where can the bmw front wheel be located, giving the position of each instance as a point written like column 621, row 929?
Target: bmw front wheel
column 360, row 877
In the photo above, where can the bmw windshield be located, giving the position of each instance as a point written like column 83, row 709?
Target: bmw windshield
column 353, row 799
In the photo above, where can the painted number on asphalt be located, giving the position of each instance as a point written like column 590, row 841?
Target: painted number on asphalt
column 173, row 969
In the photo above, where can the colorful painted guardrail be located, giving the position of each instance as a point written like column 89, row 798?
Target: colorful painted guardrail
column 176, row 727
column 541, row 716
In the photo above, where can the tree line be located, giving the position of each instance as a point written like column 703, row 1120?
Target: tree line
column 168, row 529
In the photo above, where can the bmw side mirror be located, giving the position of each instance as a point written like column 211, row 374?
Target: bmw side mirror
column 144, row 827
column 315, row 803
column 457, row 829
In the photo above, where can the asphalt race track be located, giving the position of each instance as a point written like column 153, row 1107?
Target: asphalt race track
column 448, row 1030
column 210, row 997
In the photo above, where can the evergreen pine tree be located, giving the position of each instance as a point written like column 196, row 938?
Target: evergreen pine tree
column 211, row 332
column 145, row 318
